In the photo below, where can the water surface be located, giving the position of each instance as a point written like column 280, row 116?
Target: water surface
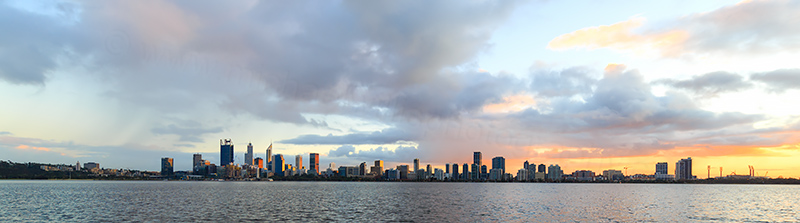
column 113, row 201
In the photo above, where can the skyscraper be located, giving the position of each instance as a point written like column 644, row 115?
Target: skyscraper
column 313, row 162
column 683, row 169
column 197, row 160
column 258, row 162
column 475, row 171
column 248, row 157
column 500, row 163
column 554, row 172
column 476, row 158
column 269, row 158
column 416, row 164
column 225, row 152
column 465, row 169
column 661, row 168
column 541, row 168
column 377, row 169
column 298, row 162
column 525, row 165
column 454, row 175
column 428, row 171
column 362, row 169
column 166, row 166
column 278, row 164
column 446, row 168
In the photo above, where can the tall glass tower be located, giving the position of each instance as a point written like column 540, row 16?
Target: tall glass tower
column 225, row 152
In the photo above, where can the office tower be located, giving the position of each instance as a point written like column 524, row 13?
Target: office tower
column 525, row 165
column 476, row 158
column 403, row 169
column 166, row 166
column 476, row 171
column 248, row 157
column 278, row 165
column 269, row 158
column 225, row 152
column 455, row 171
column 197, row 160
column 362, row 169
column 683, row 169
column 484, row 172
column 77, row 165
column 541, row 168
column 661, row 168
column 554, row 172
column 298, row 162
column 428, row 171
column 313, row 162
column 258, row 162
column 377, row 169
column 446, row 168
column 416, row 164
column 465, row 168
column 500, row 163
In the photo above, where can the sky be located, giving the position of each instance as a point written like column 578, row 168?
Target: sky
column 588, row 85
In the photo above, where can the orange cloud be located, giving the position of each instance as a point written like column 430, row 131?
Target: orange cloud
column 26, row 147
column 621, row 36
column 512, row 103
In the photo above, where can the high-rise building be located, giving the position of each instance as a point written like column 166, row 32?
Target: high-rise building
column 416, row 164
column 166, row 166
column 613, row 175
column 197, row 160
column 500, row 163
column 465, row 169
column 683, row 169
column 428, row 171
column 225, row 152
column 554, row 172
column 313, row 162
column 455, row 175
column 278, row 164
column 446, row 168
column 525, row 165
column 298, row 162
column 541, row 168
column 583, row 175
column 484, row 172
column 258, row 162
column 377, row 169
column 661, row 168
column 269, row 158
column 476, row 158
column 362, row 169
column 476, row 171
column 248, row 157
column 403, row 169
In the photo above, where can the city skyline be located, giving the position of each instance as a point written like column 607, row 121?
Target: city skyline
column 623, row 85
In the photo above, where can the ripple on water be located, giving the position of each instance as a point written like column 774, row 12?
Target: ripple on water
column 68, row 201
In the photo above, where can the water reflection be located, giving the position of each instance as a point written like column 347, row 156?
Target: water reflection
column 378, row 201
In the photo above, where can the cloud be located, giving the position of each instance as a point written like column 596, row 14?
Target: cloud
column 567, row 82
column 2, row 133
column 188, row 131
column 399, row 154
column 710, row 84
column 779, row 80
column 746, row 28
column 620, row 36
column 386, row 136
column 344, row 150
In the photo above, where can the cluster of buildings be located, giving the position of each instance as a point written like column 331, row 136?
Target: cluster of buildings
column 277, row 166
column 94, row 169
